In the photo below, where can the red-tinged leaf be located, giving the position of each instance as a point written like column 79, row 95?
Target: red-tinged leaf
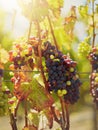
column 70, row 19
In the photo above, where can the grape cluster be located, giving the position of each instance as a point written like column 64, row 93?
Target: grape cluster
column 34, row 42
column 84, row 49
column 62, row 76
column 22, row 60
column 21, row 85
column 93, row 57
column 21, row 55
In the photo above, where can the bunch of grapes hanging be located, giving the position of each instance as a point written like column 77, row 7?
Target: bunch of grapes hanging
column 22, row 62
column 93, row 57
column 62, row 75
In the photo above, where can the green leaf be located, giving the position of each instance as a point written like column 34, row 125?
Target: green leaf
column 39, row 97
column 83, row 10
column 34, row 118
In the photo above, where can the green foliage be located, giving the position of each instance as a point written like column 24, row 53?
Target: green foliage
column 39, row 97
column 83, row 10
column 34, row 117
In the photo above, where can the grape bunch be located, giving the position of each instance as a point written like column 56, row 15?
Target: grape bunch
column 22, row 61
column 21, row 55
column 84, row 49
column 62, row 75
column 93, row 58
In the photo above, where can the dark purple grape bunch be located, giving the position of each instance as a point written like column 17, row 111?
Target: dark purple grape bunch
column 93, row 58
column 62, row 75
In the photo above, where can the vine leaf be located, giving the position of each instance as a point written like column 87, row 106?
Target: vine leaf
column 39, row 98
column 34, row 118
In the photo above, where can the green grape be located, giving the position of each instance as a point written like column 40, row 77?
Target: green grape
column 68, row 83
column 71, row 69
column 84, row 49
column 64, row 92
column 59, row 92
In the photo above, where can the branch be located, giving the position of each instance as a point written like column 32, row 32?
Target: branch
column 93, row 19
column 67, row 116
column 16, row 109
column 55, row 116
column 13, row 121
column 55, row 42
column 30, row 26
column 40, row 55
column 63, row 113
column 42, row 71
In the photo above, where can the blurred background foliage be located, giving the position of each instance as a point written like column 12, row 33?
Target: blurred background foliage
column 66, row 30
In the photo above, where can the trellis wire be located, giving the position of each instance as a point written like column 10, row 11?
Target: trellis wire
column 5, row 80
column 37, row 71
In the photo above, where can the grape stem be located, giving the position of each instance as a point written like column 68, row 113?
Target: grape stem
column 55, row 42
